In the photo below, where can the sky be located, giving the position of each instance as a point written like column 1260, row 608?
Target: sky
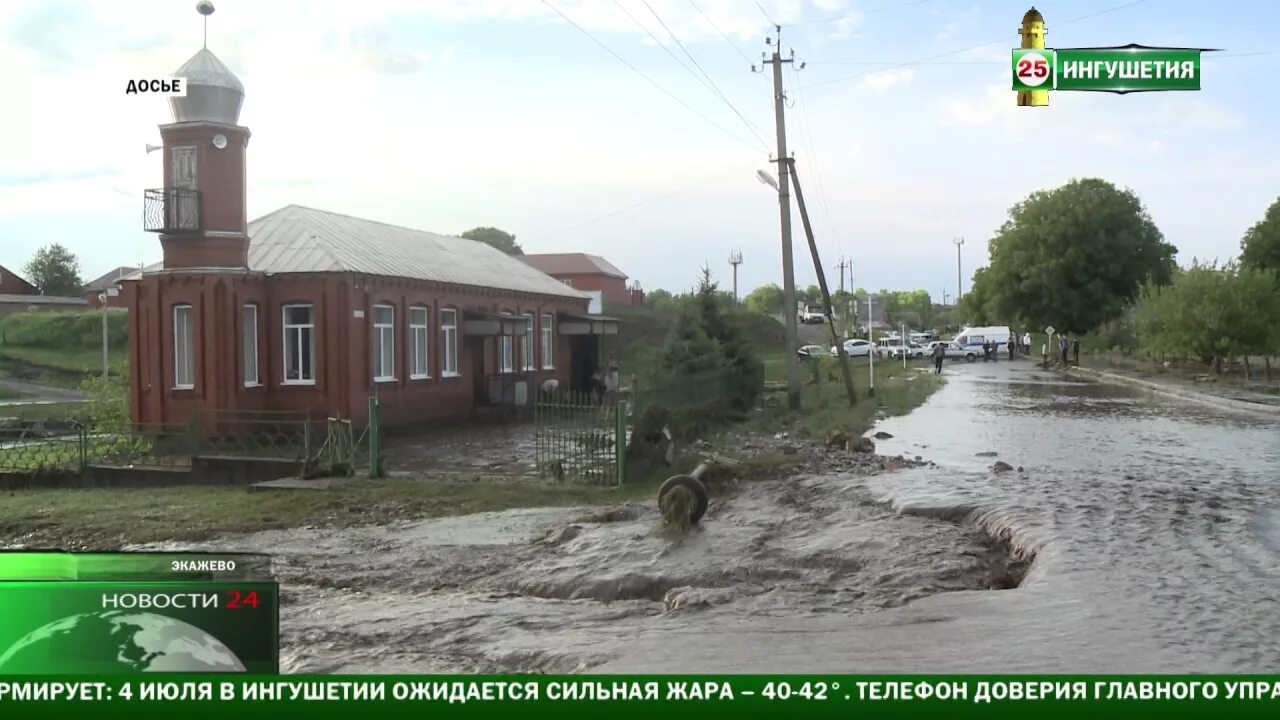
column 609, row 136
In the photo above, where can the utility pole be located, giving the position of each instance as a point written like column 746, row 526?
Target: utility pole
column 959, row 290
column 735, row 259
column 871, row 356
column 102, row 298
column 844, row 264
column 784, row 212
column 850, row 393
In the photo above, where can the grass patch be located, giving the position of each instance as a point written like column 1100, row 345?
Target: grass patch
column 1187, row 372
column 81, row 361
column 7, row 394
column 108, row 518
column 825, row 408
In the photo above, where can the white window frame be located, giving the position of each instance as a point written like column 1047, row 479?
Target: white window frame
column 449, row 343
column 378, row 330
column 286, row 327
column 249, row 336
column 419, row 343
column 189, row 336
column 548, row 341
column 506, row 348
column 528, row 352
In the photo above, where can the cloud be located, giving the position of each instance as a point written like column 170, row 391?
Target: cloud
column 890, row 78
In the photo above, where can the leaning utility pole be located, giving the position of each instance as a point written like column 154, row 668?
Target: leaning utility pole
column 822, row 285
column 735, row 259
column 784, row 211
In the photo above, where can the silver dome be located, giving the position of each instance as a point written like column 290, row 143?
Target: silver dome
column 214, row 93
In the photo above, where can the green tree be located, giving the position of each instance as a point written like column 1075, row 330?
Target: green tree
column 766, row 299
column 504, row 241
column 55, row 270
column 1260, row 247
column 975, row 306
column 1210, row 313
column 1073, row 257
column 659, row 298
column 811, row 295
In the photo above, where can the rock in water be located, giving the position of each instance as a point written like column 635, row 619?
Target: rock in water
column 882, row 435
column 864, row 445
column 989, row 453
column 1001, row 466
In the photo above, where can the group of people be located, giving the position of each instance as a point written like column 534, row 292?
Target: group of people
column 1068, row 349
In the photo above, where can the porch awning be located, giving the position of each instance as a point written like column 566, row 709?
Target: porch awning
column 475, row 322
column 575, row 324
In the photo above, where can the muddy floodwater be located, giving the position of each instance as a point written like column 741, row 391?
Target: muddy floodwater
column 1141, row 536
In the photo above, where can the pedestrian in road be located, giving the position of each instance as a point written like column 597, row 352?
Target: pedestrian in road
column 1075, row 351
column 939, row 354
column 1062, row 346
column 1013, row 345
column 1026, row 344
column 1044, row 353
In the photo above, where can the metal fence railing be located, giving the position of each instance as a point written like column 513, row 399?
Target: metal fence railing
column 580, row 436
column 321, row 445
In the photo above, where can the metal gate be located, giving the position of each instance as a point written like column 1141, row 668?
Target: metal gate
column 580, row 437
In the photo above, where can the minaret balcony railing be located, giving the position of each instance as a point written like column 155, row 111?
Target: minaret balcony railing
column 171, row 210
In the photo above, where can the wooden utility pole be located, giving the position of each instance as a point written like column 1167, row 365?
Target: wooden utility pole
column 850, row 392
column 784, row 212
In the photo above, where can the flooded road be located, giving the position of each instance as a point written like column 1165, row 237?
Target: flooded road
column 1148, row 534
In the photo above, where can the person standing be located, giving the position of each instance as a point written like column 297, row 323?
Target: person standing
column 1075, row 351
column 1026, row 344
column 939, row 354
column 1013, row 345
column 1062, row 346
column 1044, row 353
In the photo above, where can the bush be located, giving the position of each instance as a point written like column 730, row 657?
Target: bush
column 107, row 406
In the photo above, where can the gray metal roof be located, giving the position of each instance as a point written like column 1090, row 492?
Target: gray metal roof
column 214, row 93
column 297, row 239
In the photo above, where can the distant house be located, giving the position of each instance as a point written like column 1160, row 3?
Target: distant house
column 12, row 284
column 591, row 274
column 105, row 284
column 18, row 295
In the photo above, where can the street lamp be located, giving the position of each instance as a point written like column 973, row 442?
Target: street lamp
column 958, row 241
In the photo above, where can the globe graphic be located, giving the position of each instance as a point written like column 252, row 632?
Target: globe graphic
column 119, row 641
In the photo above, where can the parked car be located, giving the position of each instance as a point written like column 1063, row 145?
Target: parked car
column 913, row 350
column 809, row 351
column 855, row 347
column 955, row 351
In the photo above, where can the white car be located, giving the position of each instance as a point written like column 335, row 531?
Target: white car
column 813, row 314
column 855, row 347
column 914, row 350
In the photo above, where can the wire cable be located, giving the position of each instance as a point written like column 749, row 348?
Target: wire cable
column 765, row 14
column 750, row 125
column 724, row 35
column 639, row 72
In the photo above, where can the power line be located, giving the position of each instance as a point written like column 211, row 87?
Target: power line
column 765, row 14
column 680, row 190
column 750, row 126
column 659, row 43
column 978, row 45
column 727, row 39
column 813, row 154
column 637, row 71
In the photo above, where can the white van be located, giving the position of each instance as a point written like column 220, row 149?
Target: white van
column 976, row 337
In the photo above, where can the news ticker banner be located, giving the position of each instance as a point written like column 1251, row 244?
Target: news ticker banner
column 125, row 613
column 635, row 696
column 1122, row 70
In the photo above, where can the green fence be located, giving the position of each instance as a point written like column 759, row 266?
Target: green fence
column 320, row 445
column 580, row 437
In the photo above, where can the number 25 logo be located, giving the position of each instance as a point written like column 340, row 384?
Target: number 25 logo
column 1033, row 69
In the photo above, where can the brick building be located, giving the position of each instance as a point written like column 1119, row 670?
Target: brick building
column 109, row 284
column 588, row 273
column 304, row 309
column 13, row 284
